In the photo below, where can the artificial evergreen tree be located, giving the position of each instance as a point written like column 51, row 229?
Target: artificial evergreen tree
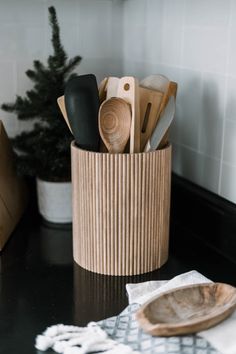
column 45, row 150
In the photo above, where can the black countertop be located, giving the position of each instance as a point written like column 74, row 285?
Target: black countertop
column 40, row 285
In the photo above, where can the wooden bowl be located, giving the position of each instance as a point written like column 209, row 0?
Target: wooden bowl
column 188, row 309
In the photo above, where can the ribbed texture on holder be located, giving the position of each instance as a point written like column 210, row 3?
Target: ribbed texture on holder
column 121, row 208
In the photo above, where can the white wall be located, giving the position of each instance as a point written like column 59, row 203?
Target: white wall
column 192, row 42
column 89, row 28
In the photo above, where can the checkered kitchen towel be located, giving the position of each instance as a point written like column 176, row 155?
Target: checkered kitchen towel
column 122, row 335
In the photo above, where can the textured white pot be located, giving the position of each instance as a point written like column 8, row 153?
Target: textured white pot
column 54, row 201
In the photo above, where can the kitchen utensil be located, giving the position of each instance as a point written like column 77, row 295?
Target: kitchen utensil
column 102, row 97
column 150, row 102
column 172, row 91
column 128, row 90
column 82, row 105
column 112, row 86
column 188, row 309
column 102, row 89
column 156, row 82
column 61, row 104
column 114, row 124
column 162, row 126
column 169, row 88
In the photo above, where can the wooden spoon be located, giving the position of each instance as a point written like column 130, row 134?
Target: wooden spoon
column 114, row 124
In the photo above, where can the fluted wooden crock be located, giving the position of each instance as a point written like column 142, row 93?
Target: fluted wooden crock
column 121, row 206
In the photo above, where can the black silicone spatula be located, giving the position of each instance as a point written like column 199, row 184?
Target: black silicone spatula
column 82, row 105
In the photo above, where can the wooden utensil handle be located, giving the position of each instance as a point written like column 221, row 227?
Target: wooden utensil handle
column 172, row 91
column 61, row 104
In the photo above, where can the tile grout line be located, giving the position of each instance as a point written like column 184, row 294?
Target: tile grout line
column 225, row 96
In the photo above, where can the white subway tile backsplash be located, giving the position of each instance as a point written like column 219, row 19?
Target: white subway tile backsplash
column 137, row 69
column 10, row 37
column 154, row 12
column 207, row 12
column 214, row 95
column 24, row 11
column 134, row 46
column 33, row 43
column 198, row 168
column 135, row 12
column 205, row 49
column 186, row 162
column 232, row 21
column 96, row 12
column 171, row 45
column 231, row 99
column 209, row 173
column 231, row 67
column 228, row 185
column 229, row 148
column 176, row 126
column 153, row 45
column 173, row 12
column 213, row 111
column 190, row 99
column 7, row 81
column 211, row 137
column 95, row 42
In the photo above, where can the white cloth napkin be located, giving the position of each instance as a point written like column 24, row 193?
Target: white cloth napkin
column 222, row 336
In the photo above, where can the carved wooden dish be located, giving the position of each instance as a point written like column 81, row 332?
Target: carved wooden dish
column 188, row 309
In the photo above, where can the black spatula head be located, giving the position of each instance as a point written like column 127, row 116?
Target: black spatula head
column 82, row 105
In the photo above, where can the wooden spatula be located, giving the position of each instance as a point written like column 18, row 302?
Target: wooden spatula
column 169, row 88
column 114, row 124
column 61, row 104
column 128, row 89
column 150, row 103
column 157, row 83
column 102, row 89
column 172, row 91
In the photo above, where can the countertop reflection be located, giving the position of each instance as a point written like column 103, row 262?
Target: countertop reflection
column 40, row 285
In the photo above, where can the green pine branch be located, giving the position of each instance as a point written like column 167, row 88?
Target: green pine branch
column 45, row 150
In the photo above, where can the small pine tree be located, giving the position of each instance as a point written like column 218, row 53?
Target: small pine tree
column 44, row 151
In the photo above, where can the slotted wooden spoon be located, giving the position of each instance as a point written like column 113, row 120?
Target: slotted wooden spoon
column 114, row 124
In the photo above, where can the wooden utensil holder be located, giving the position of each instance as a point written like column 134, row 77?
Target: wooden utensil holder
column 121, row 205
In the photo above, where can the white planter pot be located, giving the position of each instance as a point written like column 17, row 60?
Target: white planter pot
column 55, row 201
